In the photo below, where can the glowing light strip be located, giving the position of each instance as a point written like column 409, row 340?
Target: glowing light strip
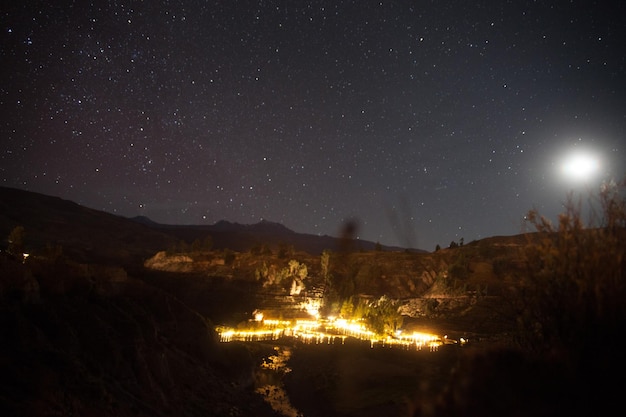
column 306, row 331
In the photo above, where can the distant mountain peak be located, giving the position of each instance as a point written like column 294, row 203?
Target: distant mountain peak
column 225, row 225
column 263, row 226
column 144, row 220
column 267, row 225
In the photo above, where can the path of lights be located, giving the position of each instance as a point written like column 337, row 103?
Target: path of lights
column 329, row 331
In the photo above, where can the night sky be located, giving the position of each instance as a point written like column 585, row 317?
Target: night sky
column 423, row 121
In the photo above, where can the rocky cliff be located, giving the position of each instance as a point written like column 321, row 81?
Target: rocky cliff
column 432, row 285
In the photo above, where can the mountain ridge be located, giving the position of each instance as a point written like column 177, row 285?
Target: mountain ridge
column 92, row 235
column 249, row 235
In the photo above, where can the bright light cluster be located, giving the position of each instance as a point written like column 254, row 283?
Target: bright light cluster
column 312, row 307
column 231, row 335
column 352, row 328
column 328, row 332
column 418, row 339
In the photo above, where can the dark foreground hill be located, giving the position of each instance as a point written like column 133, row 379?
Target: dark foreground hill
column 85, row 331
column 83, row 234
column 92, row 341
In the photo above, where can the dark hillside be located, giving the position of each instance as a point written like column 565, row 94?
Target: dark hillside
column 90, row 341
column 81, row 233
column 88, row 235
column 245, row 237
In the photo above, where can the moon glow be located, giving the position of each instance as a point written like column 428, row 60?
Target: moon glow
column 580, row 165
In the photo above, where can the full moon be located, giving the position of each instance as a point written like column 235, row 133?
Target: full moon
column 580, row 165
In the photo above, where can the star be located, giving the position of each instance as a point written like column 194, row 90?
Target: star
column 447, row 121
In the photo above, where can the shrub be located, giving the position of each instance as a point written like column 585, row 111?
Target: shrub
column 573, row 294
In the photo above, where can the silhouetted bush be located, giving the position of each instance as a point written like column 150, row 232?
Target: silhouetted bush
column 573, row 294
column 569, row 313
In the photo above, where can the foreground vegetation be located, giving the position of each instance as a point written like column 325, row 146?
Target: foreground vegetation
column 566, row 315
